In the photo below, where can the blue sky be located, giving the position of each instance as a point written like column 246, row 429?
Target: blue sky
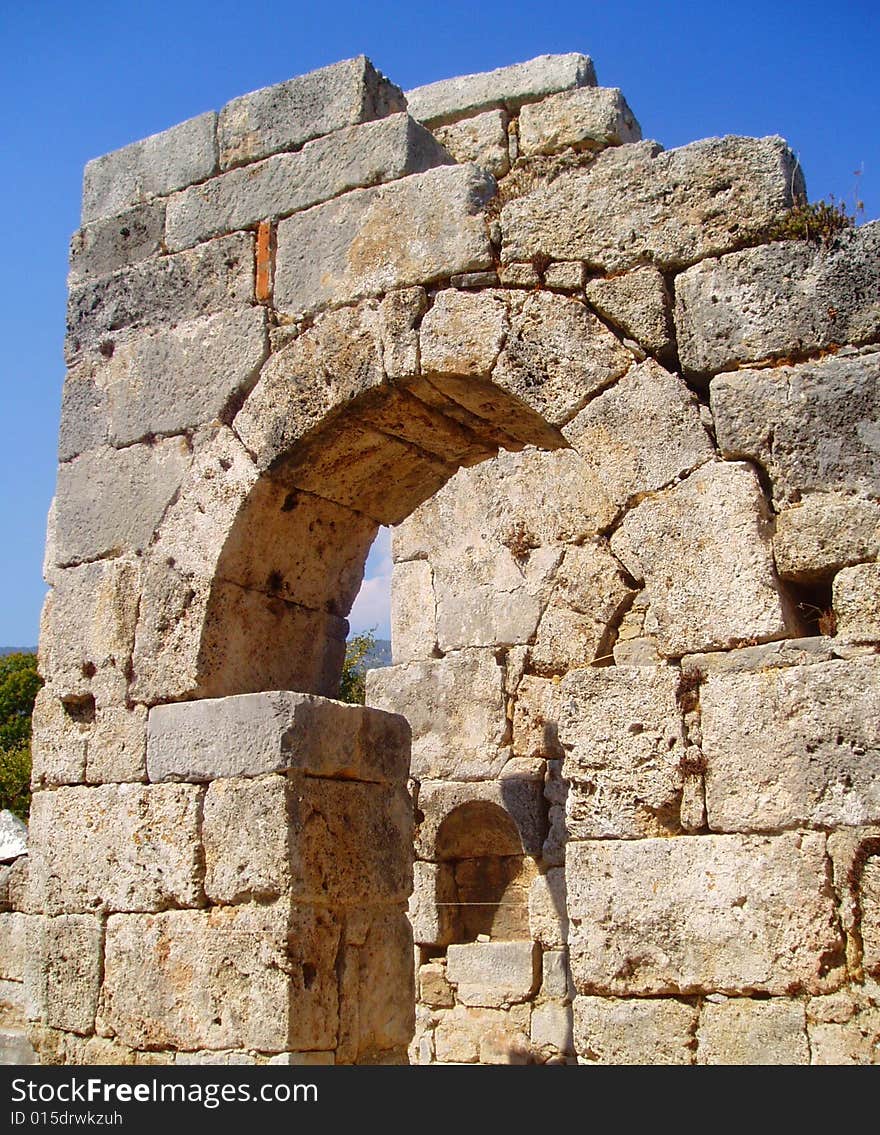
column 81, row 78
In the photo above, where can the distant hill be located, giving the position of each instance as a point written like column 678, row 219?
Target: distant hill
column 379, row 656
column 4, row 650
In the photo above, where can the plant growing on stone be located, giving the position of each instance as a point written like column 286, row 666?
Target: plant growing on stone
column 352, row 684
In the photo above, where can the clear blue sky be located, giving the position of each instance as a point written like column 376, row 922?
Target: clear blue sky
column 81, row 78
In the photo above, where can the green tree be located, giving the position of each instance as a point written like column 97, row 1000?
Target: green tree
column 19, row 683
column 352, row 685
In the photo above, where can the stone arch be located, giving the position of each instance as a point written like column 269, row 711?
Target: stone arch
column 272, row 351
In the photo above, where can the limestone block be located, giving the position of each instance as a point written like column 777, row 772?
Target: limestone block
column 115, row 847
column 493, row 974
column 434, row 989
column 791, row 298
column 110, row 501
column 430, row 912
column 215, row 1059
column 857, row 603
column 565, row 274
column 85, row 416
column 356, row 156
column 385, row 989
column 195, row 636
column 869, row 909
column 235, row 977
column 519, row 798
column 118, row 746
column 554, row 974
column 63, row 970
column 60, row 737
column 165, row 290
column 288, row 114
column 636, row 204
column 536, row 717
column 646, row 1031
column 86, row 640
column 449, row 99
column 481, row 139
column 14, row 1004
column 616, row 433
column 399, row 312
column 703, row 550
column 767, row 656
column 152, row 167
column 622, row 731
column 413, row 618
column 12, row 946
column 551, row 1027
column 463, row 332
column 324, row 841
column 15, row 1048
column 455, row 708
column 13, row 836
column 254, row 734
column 742, row 1031
column 488, row 1036
column 638, row 302
column 175, row 379
column 557, row 354
column 548, row 912
column 102, row 247
column 793, row 747
column 857, row 1042
column 732, row 913
column 588, row 594
column 825, row 532
column 519, row 275
column 810, row 425
column 420, row 228
column 588, row 118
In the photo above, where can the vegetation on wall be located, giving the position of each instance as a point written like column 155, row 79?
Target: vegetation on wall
column 352, row 685
column 19, row 683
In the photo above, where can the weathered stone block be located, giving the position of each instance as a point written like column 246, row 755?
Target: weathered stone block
column 743, row 1031
column 12, row 946
column 536, row 718
column 449, row 99
column 589, row 118
column 463, row 332
column 517, row 799
column 823, row 533
column 589, row 593
column 792, row 298
column 259, row 977
column 398, row 314
column 430, row 910
column 637, row 205
column 703, row 550
column 551, row 1027
column 808, row 425
column 421, row 228
column 413, row 612
column 60, row 738
column 327, row 841
column 557, row 354
column 565, row 274
column 622, row 731
column 254, row 734
column 351, row 158
column 793, row 747
column 548, row 911
column 102, row 247
column 857, row 603
column 616, row 433
column 455, row 708
column 288, row 114
column 150, row 168
column 385, row 984
column 118, row 746
column 434, row 989
column 110, row 501
column 737, row 914
column 173, row 380
column 115, row 847
column 639, row 303
column 63, row 970
column 481, row 139
column 488, row 1036
column 165, row 290
column 645, row 1031
column 767, row 656
column 86, row 640
column 492, row 974
column 554, row 974
column 869, row 909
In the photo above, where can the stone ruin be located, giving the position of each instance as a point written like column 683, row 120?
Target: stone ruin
column 617, row 800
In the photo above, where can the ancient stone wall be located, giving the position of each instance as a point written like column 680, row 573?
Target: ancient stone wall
column 634, row 634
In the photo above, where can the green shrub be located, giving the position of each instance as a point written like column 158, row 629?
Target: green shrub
column 19, row 683
column 15, row 780
column 816, row 221
column 352, row 685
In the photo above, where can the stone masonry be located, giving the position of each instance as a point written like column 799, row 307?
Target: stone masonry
column 617, row 800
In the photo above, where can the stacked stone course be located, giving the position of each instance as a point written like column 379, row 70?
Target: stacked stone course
column 629, row 450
